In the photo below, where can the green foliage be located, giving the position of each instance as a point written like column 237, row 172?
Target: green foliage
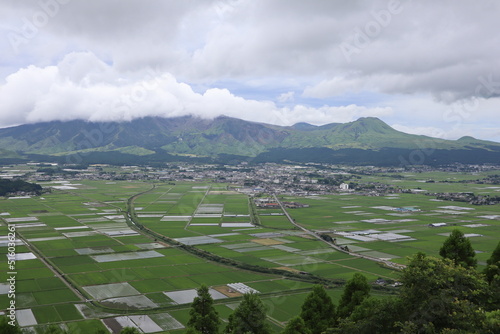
column 437, row 292
column 436, row 296
column 495, row 256
column 130, row 330
column 492, row 322
column 249, row 316
column 493, row 265
column 12, row 186
column 458, row 249
column 355, row 291
column 203, row 317
column 296, row 325
column 494, row 292
column 371, row 316
column 491, row 271
column 6, row 328
column 318, row 310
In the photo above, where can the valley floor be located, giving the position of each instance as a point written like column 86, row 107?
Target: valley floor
column 107, row 254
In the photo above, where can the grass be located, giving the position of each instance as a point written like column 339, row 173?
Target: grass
column 46, row 314
column 152, row 285
column 33, row 274
column 27, row 285
column 280, row 222
column 86, row 326
column 183, row 283
column 25, row 300
column 55, row 296
column 68, row 312
column 88, row 278
column 160, row 298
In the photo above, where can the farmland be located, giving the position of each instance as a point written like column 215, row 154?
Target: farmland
column 113, row 253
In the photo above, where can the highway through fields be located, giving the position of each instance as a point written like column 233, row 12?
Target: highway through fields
column 390, row 264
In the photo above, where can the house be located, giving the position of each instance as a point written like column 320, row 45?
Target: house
column 344, row 186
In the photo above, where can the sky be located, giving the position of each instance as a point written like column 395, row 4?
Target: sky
column 423, row 67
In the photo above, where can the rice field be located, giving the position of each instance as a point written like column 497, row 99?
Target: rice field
column 80, row 230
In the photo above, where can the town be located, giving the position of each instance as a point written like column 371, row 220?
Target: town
column 293, row 180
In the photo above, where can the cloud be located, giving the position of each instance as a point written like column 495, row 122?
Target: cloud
column 452, row 133
column 286, row 97
column 426, row 131
column 417, row 46
column 334, row 87
column 441, row 49
column 81, row 86
column 91, row 54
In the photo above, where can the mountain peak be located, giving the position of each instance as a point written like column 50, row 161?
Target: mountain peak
column 466, row 138
column 303, row 126
column 367, row 125
column 370, row 120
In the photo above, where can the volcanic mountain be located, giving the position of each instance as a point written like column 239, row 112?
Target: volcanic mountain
column 154, row 139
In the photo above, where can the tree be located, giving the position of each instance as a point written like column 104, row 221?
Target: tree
column 296, row 326
column 495, row 256
column 129, row 330
column 355, row 291
column 436, row 292
column 493, row 265
column 492, row 322
column 458, row 249
column 492, row 275
column 436, row 296
column 203, row 317
column 318, row 310
column 371, row 316
column 6, row 328
column 249, row 316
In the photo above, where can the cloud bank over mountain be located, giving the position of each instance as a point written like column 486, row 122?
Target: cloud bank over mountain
column 417, row 64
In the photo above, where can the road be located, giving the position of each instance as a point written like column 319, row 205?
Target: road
column 56, row 272
column 390, row 264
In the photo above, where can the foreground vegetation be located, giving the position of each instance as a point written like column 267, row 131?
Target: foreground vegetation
column 436, row 296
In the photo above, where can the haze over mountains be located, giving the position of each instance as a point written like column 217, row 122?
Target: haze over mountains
column 223, row 139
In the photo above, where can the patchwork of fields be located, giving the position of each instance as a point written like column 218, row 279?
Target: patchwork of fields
column 82, row 263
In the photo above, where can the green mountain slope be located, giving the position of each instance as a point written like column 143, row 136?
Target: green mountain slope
column 222, row 136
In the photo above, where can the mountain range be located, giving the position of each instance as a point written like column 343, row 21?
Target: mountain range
column 224, row 139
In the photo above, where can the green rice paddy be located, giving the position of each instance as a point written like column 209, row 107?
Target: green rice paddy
column 73, row 237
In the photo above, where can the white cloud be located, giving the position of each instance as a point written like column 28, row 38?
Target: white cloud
column 422, row 61
column 82, row 86
column 425, row 131
column 452, row 133
column 286, row 97
column 334, row 87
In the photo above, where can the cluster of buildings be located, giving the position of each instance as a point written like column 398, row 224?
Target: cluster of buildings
column 252, row 179
column 294, row 180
